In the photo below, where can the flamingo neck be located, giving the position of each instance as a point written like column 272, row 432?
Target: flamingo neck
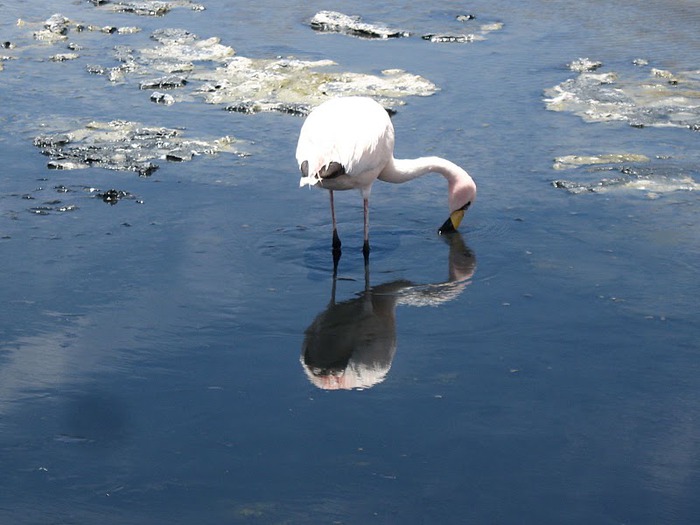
column 461, row 187
column 404, row 170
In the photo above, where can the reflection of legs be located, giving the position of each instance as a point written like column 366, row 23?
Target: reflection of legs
column 335, row 280
column 367, row 290
column 336, row 239
column 365, row 247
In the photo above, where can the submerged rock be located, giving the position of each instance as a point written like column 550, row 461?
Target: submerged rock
column 250, row 108
column 335, row 22
column 143, row 8
column 461, row 38
column 147, row 7
column 493, row 26
column 178, row 59
column 173, row 36
column 66, row 165
column 662, row 73
column 47, row 141
column 62, row 57
column 57, row 23
column 177, row 45
column 113, row 196
column 51, row 206
column 122, row 145
column 162, row 98
column 584, row 64
column 575, row 161
column 662, row 98
column 453, row 38
column 169, row 82
column 55, row 29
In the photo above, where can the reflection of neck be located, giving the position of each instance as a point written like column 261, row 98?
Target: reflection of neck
column 403, row 170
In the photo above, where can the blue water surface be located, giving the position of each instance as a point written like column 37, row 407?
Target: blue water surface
column 544, row 368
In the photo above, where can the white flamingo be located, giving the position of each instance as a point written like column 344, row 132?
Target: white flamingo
column 348, row 143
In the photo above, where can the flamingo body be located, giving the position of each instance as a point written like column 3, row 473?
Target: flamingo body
column 348, row 143
column 354, row 132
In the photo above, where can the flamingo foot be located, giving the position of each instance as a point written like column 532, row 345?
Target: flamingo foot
column 365, row 250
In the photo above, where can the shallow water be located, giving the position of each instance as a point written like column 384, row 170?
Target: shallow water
column 151, row 366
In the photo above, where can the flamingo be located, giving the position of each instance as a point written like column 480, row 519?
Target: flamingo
column 348, row 143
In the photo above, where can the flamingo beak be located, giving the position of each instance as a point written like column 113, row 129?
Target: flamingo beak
column 452, row 222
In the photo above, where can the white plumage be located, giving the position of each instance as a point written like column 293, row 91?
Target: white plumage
column 348, row 143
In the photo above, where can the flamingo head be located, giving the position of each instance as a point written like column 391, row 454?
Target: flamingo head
column 462, row 194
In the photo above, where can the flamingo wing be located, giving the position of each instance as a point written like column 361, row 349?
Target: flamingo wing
column 350, row 136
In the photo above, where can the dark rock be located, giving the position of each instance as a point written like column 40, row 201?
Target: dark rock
column 243, row 107
column 113, row 196
column 145, row 169
column 299, row 110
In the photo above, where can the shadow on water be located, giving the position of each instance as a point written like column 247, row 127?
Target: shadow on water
column 351, row 344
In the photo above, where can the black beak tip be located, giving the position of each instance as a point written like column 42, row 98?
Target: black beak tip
column 447, row 227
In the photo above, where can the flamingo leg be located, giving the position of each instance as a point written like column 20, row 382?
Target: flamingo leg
column 365, row 247
column 336, row 238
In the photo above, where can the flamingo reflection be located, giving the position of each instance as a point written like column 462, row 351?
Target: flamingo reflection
column 351, row 344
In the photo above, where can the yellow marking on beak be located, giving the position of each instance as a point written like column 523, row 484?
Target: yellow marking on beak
column 452, row 222
column 456, row 218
